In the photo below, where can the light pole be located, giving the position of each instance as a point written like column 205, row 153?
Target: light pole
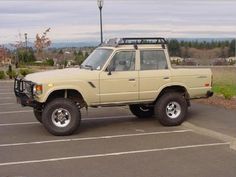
column 100, row 5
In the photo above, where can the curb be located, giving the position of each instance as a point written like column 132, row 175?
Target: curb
column 6, row 81
column 213, row 134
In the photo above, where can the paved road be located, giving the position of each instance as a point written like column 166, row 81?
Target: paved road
column 110, row 142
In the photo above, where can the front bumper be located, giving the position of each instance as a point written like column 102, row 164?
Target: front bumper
column 24, row 92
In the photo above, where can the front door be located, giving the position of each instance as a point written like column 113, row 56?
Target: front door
column 121, row 84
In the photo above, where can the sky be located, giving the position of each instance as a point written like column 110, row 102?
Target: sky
column 78, row 20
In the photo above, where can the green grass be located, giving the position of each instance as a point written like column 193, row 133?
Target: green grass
column 218, row 88
column 224, row 81
column 228, row 91
column 2, row 75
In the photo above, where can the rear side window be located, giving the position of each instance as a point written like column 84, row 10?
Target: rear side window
column 153, row 60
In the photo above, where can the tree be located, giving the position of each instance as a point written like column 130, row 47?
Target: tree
column 79, row 57
column 18, row 45
column 232, row 48
column 86, row 55
column 174, row 47
column 42, row 42
column 61, row 52
column 25, row 56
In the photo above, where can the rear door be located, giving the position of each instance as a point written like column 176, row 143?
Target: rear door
column 153, row 73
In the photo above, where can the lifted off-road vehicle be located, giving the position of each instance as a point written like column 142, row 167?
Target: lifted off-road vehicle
column 130, row 71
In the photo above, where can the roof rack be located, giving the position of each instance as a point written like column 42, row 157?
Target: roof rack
column 134, row 41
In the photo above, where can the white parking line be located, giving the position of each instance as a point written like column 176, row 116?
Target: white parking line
column 108, row 117
column 3, row 104
column 7, row 98
column 20, row 123
column 113, row 154
column 85, row 119
column 94, row 138
column 13, row 112
column 7, row 81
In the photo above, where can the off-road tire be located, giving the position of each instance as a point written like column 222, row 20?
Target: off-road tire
column 48, row 116
column 38, row 115
column 141, row 111
column 166, row 101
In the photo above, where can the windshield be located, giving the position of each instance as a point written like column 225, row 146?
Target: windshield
column 97, row 59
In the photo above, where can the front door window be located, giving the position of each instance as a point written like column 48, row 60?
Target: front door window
column 123, row 61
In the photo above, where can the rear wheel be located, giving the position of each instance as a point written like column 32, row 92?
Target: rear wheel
column 171, row 109
column 61, row 117
column 38, row 115
column 141, row 111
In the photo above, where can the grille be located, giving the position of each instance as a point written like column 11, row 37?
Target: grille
column 22, row 86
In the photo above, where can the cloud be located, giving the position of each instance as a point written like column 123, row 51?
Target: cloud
column 79, row 20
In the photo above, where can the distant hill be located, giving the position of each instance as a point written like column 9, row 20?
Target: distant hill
column 94, row 43
column 203, row 39
column 59, row 45
column 73, row 44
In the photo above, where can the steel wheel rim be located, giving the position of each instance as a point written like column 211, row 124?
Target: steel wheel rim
column 173, row 110
column 61, row 117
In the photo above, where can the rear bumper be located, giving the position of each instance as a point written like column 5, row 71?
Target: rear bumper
column 209, row 94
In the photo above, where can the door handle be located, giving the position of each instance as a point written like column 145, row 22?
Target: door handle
column 166, row 78
column 131, row 80
column 201, row 77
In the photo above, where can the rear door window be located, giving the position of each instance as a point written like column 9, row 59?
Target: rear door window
column 153, row 60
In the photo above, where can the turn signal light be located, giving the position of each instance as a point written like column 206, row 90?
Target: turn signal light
column 39, row 88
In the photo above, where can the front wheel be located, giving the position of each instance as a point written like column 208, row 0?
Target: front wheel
column 38, row 115
column 141, row 111
column 61, row 117
column 171, row 109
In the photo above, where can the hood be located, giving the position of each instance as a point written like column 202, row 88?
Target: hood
column 61, row 75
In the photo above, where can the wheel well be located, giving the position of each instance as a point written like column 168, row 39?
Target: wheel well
column 179, row 89
column 68, row 93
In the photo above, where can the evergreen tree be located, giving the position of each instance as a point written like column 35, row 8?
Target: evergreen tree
column 61, row 52
column 25, row 56
column 79, row 57
column 86, row 55
column 232, row 48
column 174, row 47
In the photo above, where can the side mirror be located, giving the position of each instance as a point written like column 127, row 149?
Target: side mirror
column 109, row 69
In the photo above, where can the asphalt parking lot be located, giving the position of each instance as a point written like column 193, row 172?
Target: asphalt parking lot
column 110, row 142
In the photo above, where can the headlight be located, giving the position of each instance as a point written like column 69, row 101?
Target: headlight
column 38, row 89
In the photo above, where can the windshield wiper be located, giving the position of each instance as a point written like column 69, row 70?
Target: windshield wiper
column 89, row 66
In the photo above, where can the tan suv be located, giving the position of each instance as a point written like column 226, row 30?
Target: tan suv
column 130, row 71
